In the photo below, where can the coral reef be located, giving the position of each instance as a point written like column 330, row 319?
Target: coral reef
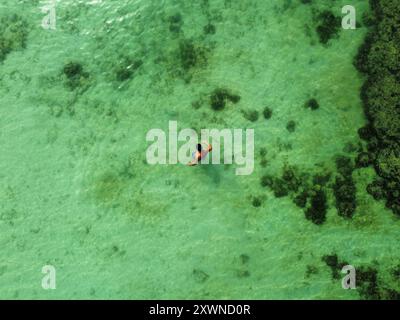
column 306, row 193
column 13, row 34
column 267, row 113
column 256, row 202
column 244, row 258
column 317, row 211
column 333, row 262
column 75, row 75
column 292, row 181
column 344, row 188
column 377, row 189
column 219, row 97
column 310, row 270
column 364, row 159
column 368, row 284
column 312, row 104
column 175, row 23
column 291, row 126
column 209, row 29
column 127, row 69
column 283, row 185
column 200, row 276
column 188, row 54
column 251, row 115
column 277, row 185
column 378, row 58
column 301, row 199
column 328, row 26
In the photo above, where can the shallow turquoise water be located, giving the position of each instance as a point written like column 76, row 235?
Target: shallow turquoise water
column 77, row 193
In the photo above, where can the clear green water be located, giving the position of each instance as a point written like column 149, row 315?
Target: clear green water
column 76, row 192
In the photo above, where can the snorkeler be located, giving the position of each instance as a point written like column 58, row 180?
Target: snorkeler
column 200, row 154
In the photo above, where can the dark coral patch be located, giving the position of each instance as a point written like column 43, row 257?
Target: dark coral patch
column 378, row 59
column 13, row 34
column 251, row 115
column 256, row 202
column 75, row 75
column 209, row 29
column 175, row 23
column 312, row 104
column 267, row 113
column 333, row 262
column 291, row 126
column 127, row 69
column 188, row 54
column 328, row 26
column 219, row 98
column 301, row 199
column 344, row 188
column 364, row 159
column 367, row 283
column 377, row 189
column 317, row 211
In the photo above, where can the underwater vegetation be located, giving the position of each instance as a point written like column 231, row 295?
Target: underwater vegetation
column 312, row 104
column 363, row 160
column 175, row 23
column 317, row 211
column 291, row 126
column 191, row 55
column 378, row 59
column 344, row 187
column 13, row 34
column 281, row 186
column 127, row 69
column 267, row 113
column 219, row 98
column 251, row 115
column 188, row 54
column 332, row 261
column 328, row 26
column 263, row 154
column 200, row 276
column 308, row 194
column 188, row 57
column 368, row 284
column 256, row 202
column 75, row 75
column 209, row 29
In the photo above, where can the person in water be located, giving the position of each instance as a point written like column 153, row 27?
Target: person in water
column 200, row 154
